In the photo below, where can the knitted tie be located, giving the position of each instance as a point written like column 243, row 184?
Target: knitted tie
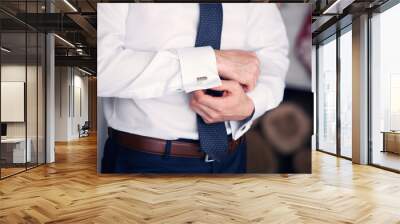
column 213, row 137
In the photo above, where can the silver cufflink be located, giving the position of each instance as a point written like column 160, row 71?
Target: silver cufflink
column 201, row 79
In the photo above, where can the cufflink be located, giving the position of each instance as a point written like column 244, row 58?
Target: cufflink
column 201, row 78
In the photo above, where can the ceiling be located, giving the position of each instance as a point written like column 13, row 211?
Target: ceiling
column 75, row 22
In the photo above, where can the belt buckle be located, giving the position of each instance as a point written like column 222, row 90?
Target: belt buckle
column 207, row 159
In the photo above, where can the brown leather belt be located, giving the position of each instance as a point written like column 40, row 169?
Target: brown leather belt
column 157, row 146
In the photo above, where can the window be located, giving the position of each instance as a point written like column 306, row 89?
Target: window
column 385, row 89
column 346, row 93
column 327, row 96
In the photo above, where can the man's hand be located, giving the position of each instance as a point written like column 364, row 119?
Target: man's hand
column 234, row 105
column 238, row 65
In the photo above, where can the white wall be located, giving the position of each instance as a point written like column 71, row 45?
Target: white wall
column 70, row 83
column 61, row 103
column 79, row 117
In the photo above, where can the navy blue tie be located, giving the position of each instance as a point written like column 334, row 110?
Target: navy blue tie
column 213, row 137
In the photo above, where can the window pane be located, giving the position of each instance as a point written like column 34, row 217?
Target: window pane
column 41, row 98
column 327, row 97
column 31, row 99
column 345, row 94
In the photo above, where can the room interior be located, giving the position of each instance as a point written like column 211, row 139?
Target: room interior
column 48, row 93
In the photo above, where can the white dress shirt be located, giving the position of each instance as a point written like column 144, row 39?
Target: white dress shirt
column 148, row 65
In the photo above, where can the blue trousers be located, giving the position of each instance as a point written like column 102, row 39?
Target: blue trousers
column 119, row 159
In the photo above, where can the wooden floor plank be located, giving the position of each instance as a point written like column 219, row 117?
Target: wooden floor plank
column 70, row 191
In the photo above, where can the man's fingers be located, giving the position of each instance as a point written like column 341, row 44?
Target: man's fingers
column 201, row 113
column 208, row 114
column 227, row 85
column 212, row 115
column 221, row 87
column 215, row 103
column 198, row 93
column 219, row 103
column 195, row 107
column 250, row 86
column 201, row 97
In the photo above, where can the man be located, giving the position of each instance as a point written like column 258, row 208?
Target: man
column 183, row 83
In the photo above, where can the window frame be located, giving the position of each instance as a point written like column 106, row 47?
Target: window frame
column 335, row 36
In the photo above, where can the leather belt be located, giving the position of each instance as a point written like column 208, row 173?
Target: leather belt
column 157, row 146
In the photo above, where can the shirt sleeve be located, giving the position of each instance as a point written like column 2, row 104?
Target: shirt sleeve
column 130, row 73
column 268, row 39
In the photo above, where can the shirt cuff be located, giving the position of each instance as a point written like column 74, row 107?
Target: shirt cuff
column 261, row 105
column 238, row 128
column 198, row 68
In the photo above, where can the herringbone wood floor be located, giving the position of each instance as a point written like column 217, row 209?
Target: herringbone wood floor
column 70, row 191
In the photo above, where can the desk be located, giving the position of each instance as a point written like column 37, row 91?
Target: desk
column 17, row 150
column 391, row 141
